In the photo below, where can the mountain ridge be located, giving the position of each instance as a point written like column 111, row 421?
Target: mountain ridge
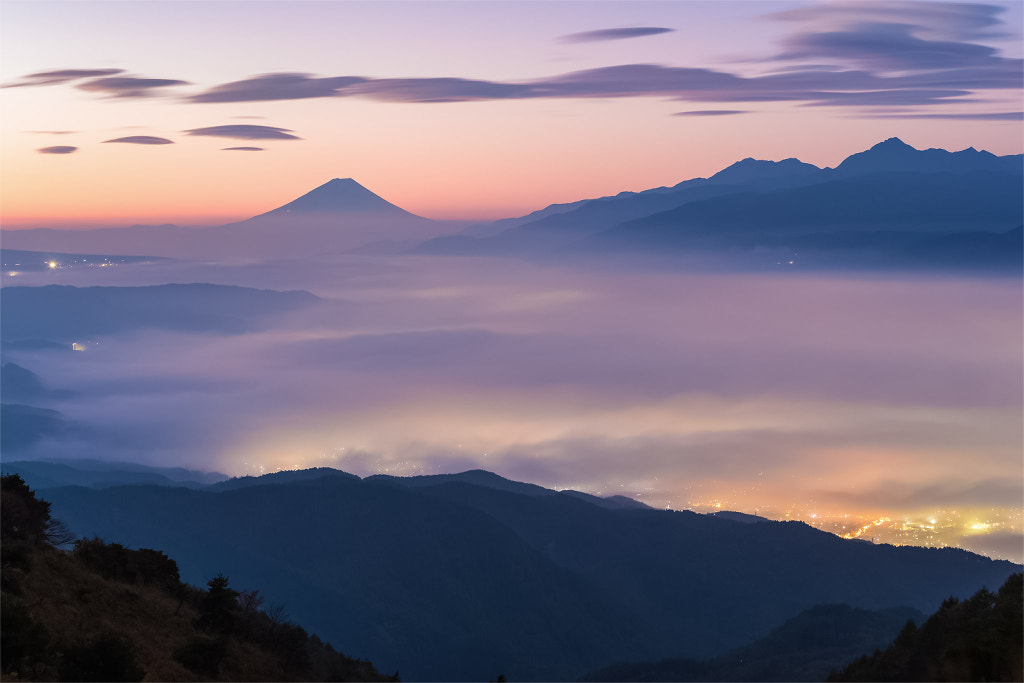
column 575, row 585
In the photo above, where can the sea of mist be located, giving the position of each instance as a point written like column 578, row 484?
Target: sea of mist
column 776, row 392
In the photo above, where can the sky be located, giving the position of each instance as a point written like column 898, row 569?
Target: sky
column 469, row 110
column 889, row 404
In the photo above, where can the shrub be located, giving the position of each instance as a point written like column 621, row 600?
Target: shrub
column 108, row 658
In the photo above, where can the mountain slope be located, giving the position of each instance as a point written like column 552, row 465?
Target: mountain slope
column 933, row 203
column 561, row 224
column 894, row 155
column 340, row 195
column 979, row 639
column 538, row 587
column 103, row 612
column 805, row 648
column 760, row 213
column 334, row 218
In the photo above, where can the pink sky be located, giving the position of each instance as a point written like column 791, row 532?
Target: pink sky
column 550, row 104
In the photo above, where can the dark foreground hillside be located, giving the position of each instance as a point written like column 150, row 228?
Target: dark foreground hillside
column 979, row 639
column 463, row 577
column 106, row 613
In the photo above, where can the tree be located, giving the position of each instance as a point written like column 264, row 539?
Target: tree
column 23, row 517
column 249, row 601
column 218, row 609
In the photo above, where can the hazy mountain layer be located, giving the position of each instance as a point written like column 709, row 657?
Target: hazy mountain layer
column 763, row 213
column 64, row 314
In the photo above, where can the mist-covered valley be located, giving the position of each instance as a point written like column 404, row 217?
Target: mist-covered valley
column 534, row 421
column 841, row 395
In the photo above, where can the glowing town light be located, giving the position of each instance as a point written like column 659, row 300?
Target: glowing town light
column 52, row 264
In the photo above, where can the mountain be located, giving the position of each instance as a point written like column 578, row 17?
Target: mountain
column 805, row 648
column 862, row 214
column 103, row 474
column 979, row 639
column 103, row 612
column 462, row 577
column 343, row 195
column 68, row 314
column 768, row 173
column 21, row 384
column 932, row 203
column 894, row 155
column 562, row 224
column 334, row 218
column 24, row 425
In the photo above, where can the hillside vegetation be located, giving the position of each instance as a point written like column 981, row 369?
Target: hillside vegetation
column 978, row 639
column 103, row 612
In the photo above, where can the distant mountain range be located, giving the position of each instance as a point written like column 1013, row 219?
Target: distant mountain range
column 462, row 577
column 891, row 206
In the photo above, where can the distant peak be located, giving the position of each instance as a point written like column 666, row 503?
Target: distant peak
column 892, row 143
column 339, row 194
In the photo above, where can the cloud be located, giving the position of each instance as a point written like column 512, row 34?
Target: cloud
column 245, row 132
column 966, row 116
column 242, row 149
column 52, row 132
column 941, row 20
column 57, row 149
column 888, row 47
column 128, row 86
column 143, row 140
column 826, row 86
column 843, row 54
column 938, row 494
column 711, row 112
column 290, row 86
column 614, row 34
column 888, row 97
column 60, row 76
column 279, row 86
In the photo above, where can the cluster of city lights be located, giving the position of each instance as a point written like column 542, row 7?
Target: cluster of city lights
column 11, row 269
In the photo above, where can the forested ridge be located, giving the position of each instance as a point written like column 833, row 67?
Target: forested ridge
column 87, row 610
column 978, row 639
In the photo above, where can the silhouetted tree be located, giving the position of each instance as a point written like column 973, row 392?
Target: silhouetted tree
column 219, row 606
column 23, row 517
column 142, row 566
column 250, row 601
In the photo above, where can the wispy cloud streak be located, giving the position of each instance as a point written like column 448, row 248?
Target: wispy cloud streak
column 128, row 86
column 142, row 140
column 614, row 34
column 245, row 132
